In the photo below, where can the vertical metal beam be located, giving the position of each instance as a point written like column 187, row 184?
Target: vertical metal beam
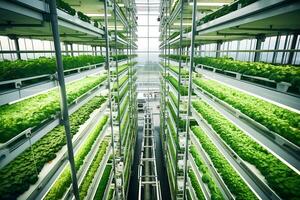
column 117, row 79
column 277, row 42
column 16, row 40
column 63, row 95
column 72, row 52
column 189, row 96
column 109, row 93
column 293, row 45
column 180, row 63
column 238, row 49
column 66, row 48
column 96, row 52
column 259, row 40
column 285, row 45
column 9, row 47
column 32, row 48
column 179, row 83
column 218, row 53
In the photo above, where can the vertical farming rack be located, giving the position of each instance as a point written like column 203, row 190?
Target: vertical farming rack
column 88, row 95
column 224, row 78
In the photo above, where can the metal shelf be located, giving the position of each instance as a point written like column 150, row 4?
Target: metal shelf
column 281, row 148
column 31, row 90
column 51, row 171
column 255, row 183
column 13, row 151
column 215, row 175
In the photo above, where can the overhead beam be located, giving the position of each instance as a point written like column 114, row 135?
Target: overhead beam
column 285, row 30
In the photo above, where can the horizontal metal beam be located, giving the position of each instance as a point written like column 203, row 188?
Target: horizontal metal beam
column 290, row 30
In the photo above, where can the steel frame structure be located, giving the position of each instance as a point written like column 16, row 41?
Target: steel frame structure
column 187, row 43
column 55, row 17
column 149, row 186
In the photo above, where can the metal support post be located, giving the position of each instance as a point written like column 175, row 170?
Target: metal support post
column 189, row 96
column 293, row 46
column 109, row 94
column 117, row 79
column 17, row 46
column 238, row 48
column 277, row 42
column 179, row 85
column 93, row 50
column 72, row 52
column 63, row 95
column 218, row 53
column 66, row 48
column 165, row 81
column 286, row 40
column 259, row 40
column 96, row 52
column 16, row 40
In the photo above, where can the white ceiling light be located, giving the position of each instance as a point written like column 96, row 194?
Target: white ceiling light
column 209, row 4
column 97, row 15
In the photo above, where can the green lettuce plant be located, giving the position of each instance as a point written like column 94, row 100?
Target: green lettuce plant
column 270, row 167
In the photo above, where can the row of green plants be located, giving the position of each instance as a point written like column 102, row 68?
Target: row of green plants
column 121, row 95
column 62, row 5
column 123, row 56
column 207, row 177
column 183, row 104
column 226, row 9
column 127, row 141
column 124, row 123
column 103, row 183
column 196, row 186
column 280, row 120
column 110, row 194
column 124, row 106
column 127, row 169
column 170, row 174
column 174, row 116
column 174, row 99
column 127, row 136
column 188, row 195
column 235, row 183
column 19, row 116
column 184, row 73
column 88, row 178
column 64, row 180
column 120, row 69
column 182, row 89
column 19, row 174
column 173, row 132
column 27, row 68
column 171, row 145
column 278, row 73
column 121, row 82
column 170, row 165
column 123, row 67
column 283, row 180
